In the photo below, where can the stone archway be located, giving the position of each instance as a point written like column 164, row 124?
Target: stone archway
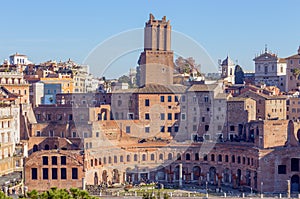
column 227, row 175
column 212, row 174
column 196, row 173
column 116, row 176
column 176, row 173
column 295, row 184
column 239, row 176
column 104, row 176
column 96, row 178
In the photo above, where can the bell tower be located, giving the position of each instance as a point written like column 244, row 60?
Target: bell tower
column 156, row 61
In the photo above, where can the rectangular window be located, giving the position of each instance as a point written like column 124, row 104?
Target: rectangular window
column 231, row 128
column 176, row 128
column 63, row 173
column 162, row 116
column 147, row 116
column 147, row 129
column 70, row 117
column 54, row 173
column 169, row 116
column 85, row 135
column 162, row 98
column 74, row 173
column 194, row 127
column 162, row 129
column 63, row 160
column 127, row 129
column 183, row 116
column 176, row 116
column 45, row 160
column 45, row 174
column 54, row 160
column 281, row 169
column 294, row 164
column 203, row 119
column 74, row 134
column 147, row 102
column 169, row 98
column 169, row 129
column 176, row 99
column 34, row 174
column 183, row 98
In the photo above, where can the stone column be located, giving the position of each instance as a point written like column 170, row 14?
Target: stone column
column 83, row 183
column 288, row 188
column 180, row 175
column 192, row 176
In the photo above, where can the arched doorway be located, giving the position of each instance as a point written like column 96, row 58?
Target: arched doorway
column 239, row 176
column 116, row 176
column 96, row 178
column 248, row 177
column 226, row 175
column 295, row 184
column 196, row 172
column 35, row 148
column 176, row 172
column 104, row 176
column 212, row 175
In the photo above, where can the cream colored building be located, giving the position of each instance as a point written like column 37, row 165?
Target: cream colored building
column 270, row 70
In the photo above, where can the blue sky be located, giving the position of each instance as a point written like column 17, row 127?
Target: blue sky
column 59, row 30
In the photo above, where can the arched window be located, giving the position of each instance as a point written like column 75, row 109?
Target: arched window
column 46, row 147
column 178, row 156
column 115, row 159
column 187, row 156
column 161, row 156
column 121, row 158
column 212, row 157
column 152, row 157
column 144, row 157
column 135, row 157
column 35, row 148
column 128, row 158
column 170, row 157
column 220, row 158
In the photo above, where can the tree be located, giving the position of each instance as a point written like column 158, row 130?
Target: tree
column 296, row 72
column 183, row 65
column 55, row 193
column 239, row 75
column 3, row 196
column 125, row 79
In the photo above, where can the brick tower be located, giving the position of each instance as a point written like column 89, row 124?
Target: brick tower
column 156, row 62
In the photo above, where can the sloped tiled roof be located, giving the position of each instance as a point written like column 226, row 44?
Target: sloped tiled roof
column 155, row 88
column 203, row 87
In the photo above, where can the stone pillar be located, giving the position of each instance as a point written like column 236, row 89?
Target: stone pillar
column 288, row 188
column 132, row 177
column 192, row 176
column 139, row 176
column 207, row 177
column 180, row 175
column 83, row 183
